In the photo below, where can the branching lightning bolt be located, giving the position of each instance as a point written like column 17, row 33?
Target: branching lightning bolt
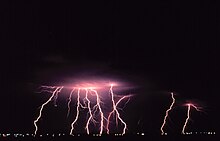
column 167, row 113
column 55, row 92
column 114, row 110
column 100, row 110
column 95, row 112
column 77, row 112
column 90, row 113
column 188, row 115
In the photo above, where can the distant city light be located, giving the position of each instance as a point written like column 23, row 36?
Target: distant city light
column 17, row 135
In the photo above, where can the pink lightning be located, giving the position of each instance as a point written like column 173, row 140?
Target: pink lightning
column 188, row 115
column 100, row 110
column 167, row 113
column 55, row 92
column 69, row 101
column 115, row 111
column 77, row 112
column 90, row 113
column 94, row 106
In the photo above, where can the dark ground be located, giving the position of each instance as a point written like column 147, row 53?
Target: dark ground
column 140, row 138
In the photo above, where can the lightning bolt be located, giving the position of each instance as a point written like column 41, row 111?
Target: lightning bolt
column 69, row 101
column 55, row 92
column 189, row 105
column 77, row 112
column 98, row 101
column 114, row 110
column 90, row 113
column 167, row 113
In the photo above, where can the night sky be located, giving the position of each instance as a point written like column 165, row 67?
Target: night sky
column 159, row 46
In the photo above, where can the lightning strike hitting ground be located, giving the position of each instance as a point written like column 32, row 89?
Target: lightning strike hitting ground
column 167, row 113
column 188, row 115
column 100, row 110
column 115, row 111
column 55, row 92
column 95, row 112
column 97, row 109
column 77, row 112
column 97, row 106
column 90, row 113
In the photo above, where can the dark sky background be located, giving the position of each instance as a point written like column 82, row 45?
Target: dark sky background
column 159, row 46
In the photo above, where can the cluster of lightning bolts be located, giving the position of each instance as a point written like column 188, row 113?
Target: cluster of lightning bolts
column 189, row 105
column 95, row 113
column 96, row 110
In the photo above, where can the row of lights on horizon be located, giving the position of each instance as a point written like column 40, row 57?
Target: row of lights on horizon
column 53, row 135
column 196, row 133
column 62, row 134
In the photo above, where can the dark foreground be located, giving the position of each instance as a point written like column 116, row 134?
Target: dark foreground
column 121, row 138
